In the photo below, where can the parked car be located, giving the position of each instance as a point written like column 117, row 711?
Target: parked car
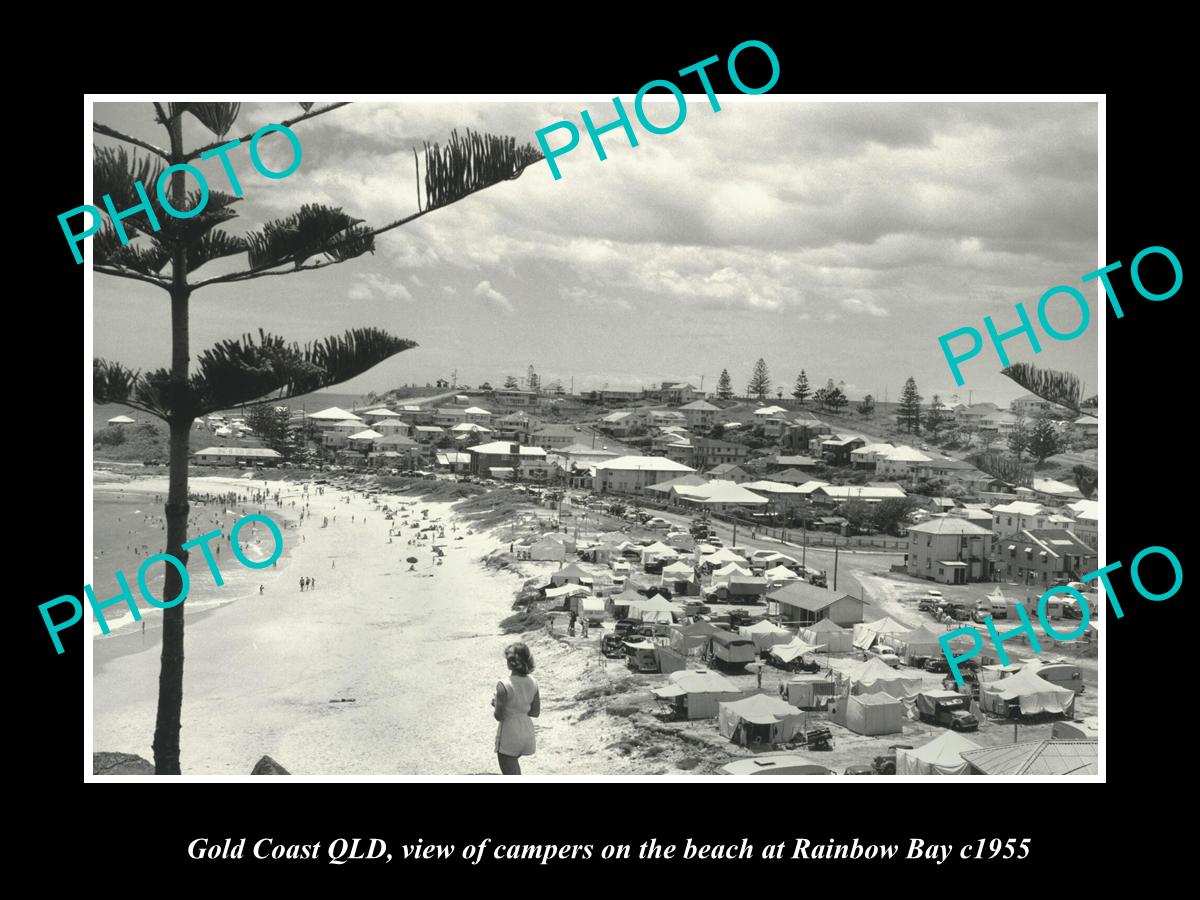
column 886, row 765
column 887, row 655
column 859, row 770
column 937, row 664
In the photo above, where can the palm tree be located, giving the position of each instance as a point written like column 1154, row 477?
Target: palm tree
column 240, row 371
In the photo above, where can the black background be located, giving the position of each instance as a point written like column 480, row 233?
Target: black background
column 1076, row 828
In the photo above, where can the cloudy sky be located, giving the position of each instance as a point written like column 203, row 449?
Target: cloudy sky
column 837, row 238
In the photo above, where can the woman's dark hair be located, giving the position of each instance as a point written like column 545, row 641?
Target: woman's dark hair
column 519, row 659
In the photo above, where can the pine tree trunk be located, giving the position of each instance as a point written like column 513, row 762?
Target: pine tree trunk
column 170, row 676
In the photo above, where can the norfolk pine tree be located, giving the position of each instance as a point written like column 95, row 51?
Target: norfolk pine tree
column 801, row 391
column 910, row 407
column 724, row 386
column 760, row 381
column 240, row 371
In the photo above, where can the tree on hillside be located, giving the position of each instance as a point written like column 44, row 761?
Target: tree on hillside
column 760, row 381
column 820, row 396
column 835, row 399
column 724, row 386
column 779, row 391
column 890, row 512
column 1085, row 480
column 858, row 513
column 935, row 418
column 1045, row 439
column 511, row 383
column 909, row 414
column 801, row 391
column 270, row 425
column 1018, row 438
column 238, row 371
column 866, row 409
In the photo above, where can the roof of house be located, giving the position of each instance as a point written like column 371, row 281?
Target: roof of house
column 429, row 428
column 858, row 492
column 793, row 475
column 773, row 487
column 665, row 486
column 256, row 452
column 1054, row 488
column 701, row 406
column 390, row 423
column 842, row 440
column 725, row 469
column 332, row 414
column 463, row 427
column 807, row 596
column 476, row 411
column 1020, row 508
column 644, row 464
column 947, row 463
column 1055, row 541
column 771, row 411
column 1037, row 758
column 872, row 448
column 948, row 525
column 1088, row 510
column 504, row 448
column 782, row 460
column 904, row 453
column 367, row 435
column 719, row 492
column 382, row 411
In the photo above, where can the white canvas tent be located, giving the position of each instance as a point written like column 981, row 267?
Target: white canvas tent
column 658, row 550
column 785, row 653
column 766, row 634
column 780, row 573
column 835, row 638
column 874, row 676
column 874, row 714
column 1029, row 692
column 865, row 633
column 698, row 693
column 918, row 642
column 941, row 756
column 656, row 609
column 731, row 569
column 759, row 719
column 679, row 571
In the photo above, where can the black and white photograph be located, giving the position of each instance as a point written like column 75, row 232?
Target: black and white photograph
column 769, row 445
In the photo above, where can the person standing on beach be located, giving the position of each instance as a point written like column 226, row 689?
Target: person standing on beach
column 302, row 585
column 516, row 704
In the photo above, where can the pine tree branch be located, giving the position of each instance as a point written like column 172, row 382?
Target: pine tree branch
column 287, row 123
column 129, row 273
column 129, row 139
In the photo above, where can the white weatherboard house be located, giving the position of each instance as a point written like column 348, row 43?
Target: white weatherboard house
column 236, row 456
column 629, row 474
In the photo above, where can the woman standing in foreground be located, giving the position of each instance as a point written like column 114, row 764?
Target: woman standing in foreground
column 516, row 704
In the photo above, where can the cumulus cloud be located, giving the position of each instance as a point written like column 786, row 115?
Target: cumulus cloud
column 485, row 291
column 370, row 285
column 863, row 307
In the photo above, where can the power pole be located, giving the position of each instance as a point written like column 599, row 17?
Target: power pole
column 835, row 564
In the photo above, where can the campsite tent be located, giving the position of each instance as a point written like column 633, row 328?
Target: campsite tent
column 566, row 590
column 572, row 573
column 656, row 609
column 758, row 720
column 696, row 694
column 1029, row 693
column 780, row 573
column 679, row 571
column 941, row 756
column 918, row 642
column 658, row 550
column 546, row 549
column 874, row 676
column 730, row 569
column 865, row 633
column 807, row 691
column 722, row 556
column 874, row 714
column 785, row 653
column 1063, row 673
column 766, row 634
column 692, row 640
column 835, row 638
